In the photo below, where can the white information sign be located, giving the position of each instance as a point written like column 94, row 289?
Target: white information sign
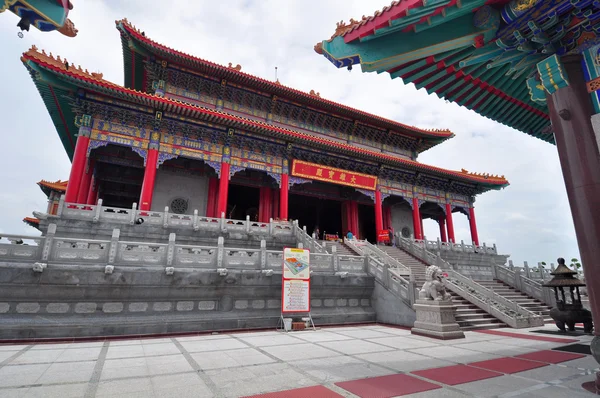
column 296, row 263
column 295, row 296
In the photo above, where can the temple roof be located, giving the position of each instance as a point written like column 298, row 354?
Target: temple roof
column 32, row 222
column 57, row 186
column 60, row 108
column 481, row 54
column 45, row 15
column 235, row 75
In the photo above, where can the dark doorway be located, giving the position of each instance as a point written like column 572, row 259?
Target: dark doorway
column 316, row 212
column 242, row 201
column 366, row 222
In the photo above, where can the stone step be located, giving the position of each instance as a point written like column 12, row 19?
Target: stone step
column 475, row 322
column 483, row 326
column 468, row 317
column 468, row 311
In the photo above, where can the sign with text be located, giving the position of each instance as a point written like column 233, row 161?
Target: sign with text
column 383, row 235
column 295, row 296
column 313, row 171
column 296, row 263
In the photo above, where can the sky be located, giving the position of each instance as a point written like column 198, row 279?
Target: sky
column 530, row 220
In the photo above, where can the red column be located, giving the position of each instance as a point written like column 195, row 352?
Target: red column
column 283, row 197
column 149, row 178
column 92, row 191
column 387, row 217
column 275, row 193
column 422, row 228
column 356, row 230
column 78, row 165
column 473, row 225
column 450, row 223
column 211, row 198
column 417, row 219
column 264, row 204
column 223, row 189
column 443, row 235
column 378, row 213
column 86, row 179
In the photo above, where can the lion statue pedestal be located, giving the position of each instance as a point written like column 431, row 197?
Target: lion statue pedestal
column 435, row 310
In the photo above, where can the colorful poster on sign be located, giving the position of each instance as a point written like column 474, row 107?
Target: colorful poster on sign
column 296, row 263
column 295, row 296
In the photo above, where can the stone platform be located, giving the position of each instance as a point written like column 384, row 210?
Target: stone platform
column 363, row 361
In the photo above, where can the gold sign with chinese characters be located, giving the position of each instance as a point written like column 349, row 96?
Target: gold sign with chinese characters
column 313, row 171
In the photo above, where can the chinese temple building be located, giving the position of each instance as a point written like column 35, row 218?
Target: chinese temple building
column 53, row 191
column 45, row 15
column 533, row 65
column 188, row 134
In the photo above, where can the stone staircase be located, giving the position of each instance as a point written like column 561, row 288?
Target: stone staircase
column 468, row 316
column 340, row 248
column 519, row 297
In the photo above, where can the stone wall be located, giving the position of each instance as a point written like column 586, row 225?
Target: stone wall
column 84, row 301
column 402, row 218
column 170, row 185
column 390, row 309
column 473, row 265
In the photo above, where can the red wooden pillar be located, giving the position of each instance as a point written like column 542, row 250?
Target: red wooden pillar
column 211, row 198
column 570, row 112
column 356, row 230
column 275, row 194
column 473, row 225
column 149, row 179
column 92, row 191
column 223, row 189
column 86, row 179
column 283, row 197
column 417, row 219
column 378, row 214
column 443, row 235
column 450, row 223
column 387, row 217
column 264, row 204
column 78, row 164
column 422, row 228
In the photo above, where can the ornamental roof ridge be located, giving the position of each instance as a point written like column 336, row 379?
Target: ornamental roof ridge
column 52, row 62
column 60, row 63
column 56, row 185
column 486, row 176
column 441, row 133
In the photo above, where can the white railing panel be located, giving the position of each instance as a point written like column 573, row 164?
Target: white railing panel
column 352, row 264
column 141, row 254
column 195, row 256
column 321, row 262
column 65, row 250
column 241, row 258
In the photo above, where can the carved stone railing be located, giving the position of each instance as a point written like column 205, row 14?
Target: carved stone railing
column 51, row 249
column 517, row 279
column 308, row 242
column 491, row 302
column 438, row 245
column 421, row 252
column 365, row 248
column 392, row 280
column 99, row 213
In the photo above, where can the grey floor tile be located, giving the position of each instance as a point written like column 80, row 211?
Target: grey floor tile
column 125, row 351
column 556, row 392
column 403, row 361
column 439, row 393
column 265, row 341
column 12, row 347
column 125, row 387
column 160, row 349
column 549, row 373
column 13, row 392
column 21, row 375
column 186, row 391
column 585, row 363
column 496, row 386
column 4, row 355
column 213, row 345
column 403, row 343
column 353, row 347
column 57, row 391
column 360, row 333
column 230, row 358
column 454, row 354
column 299, row 352
column 79, row 354
column 68, row 372
column 33, row 357
column 341, row 368
column 320, row 335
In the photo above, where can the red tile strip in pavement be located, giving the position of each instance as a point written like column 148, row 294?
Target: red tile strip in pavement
column 387, row 386
column 508, row 365
column 526, row 336
column 458, row 374
column 306, row 392
column 549, row 356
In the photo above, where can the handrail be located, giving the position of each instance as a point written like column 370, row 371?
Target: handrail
column 365, row 247
column 520, row 281
column 307, row 241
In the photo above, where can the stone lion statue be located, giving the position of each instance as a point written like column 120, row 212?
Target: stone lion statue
column 433, row 288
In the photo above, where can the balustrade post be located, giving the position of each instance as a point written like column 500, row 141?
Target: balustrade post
column 494, row 271
column 166, row 217
column 462, row 246
column 133, row 214
column 485, row 248
column 335, row 259
column 495, row 249
column 366, row 263
column 98, row 211
column 386, row 276
column 222, row 221
column 552, row 267
column 48, row 242
column 61, row 205
column 271, row 226
column 300, row 245
column 114, row 245
column 171, row 249
column 263, row 254
column 220, row 243
column 195, row 221
column 439, row 244
column 511, row 265
column 424, row 251
column 526, row 268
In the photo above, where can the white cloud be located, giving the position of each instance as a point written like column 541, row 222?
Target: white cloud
column 530, row 219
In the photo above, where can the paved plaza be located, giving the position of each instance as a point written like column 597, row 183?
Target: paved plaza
column 364, row 361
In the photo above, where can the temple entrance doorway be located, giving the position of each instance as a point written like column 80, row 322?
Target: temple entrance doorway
column 313, row 212
column 248, row 191
column 366, row 222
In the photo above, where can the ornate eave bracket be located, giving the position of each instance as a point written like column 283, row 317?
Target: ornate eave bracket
column 536, row 91
column 552, row 74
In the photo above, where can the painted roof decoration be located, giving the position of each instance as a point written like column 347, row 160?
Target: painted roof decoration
column 45, row 15
column 32, row 221
column 477, row 53
column 46, row 68
column 57, row 186
column 131, row 36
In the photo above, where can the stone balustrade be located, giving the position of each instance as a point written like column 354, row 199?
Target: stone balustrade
column 52, row 249
column 438, row 245
column 522, row 280
column 540, row 272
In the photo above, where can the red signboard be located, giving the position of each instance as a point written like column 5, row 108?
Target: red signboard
column 318, row 172
column 383, row 235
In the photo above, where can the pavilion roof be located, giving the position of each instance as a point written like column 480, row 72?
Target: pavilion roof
column 481, row 54
column 80, row 78
column 431, row 137
column 32, row 222
column 57, row 186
